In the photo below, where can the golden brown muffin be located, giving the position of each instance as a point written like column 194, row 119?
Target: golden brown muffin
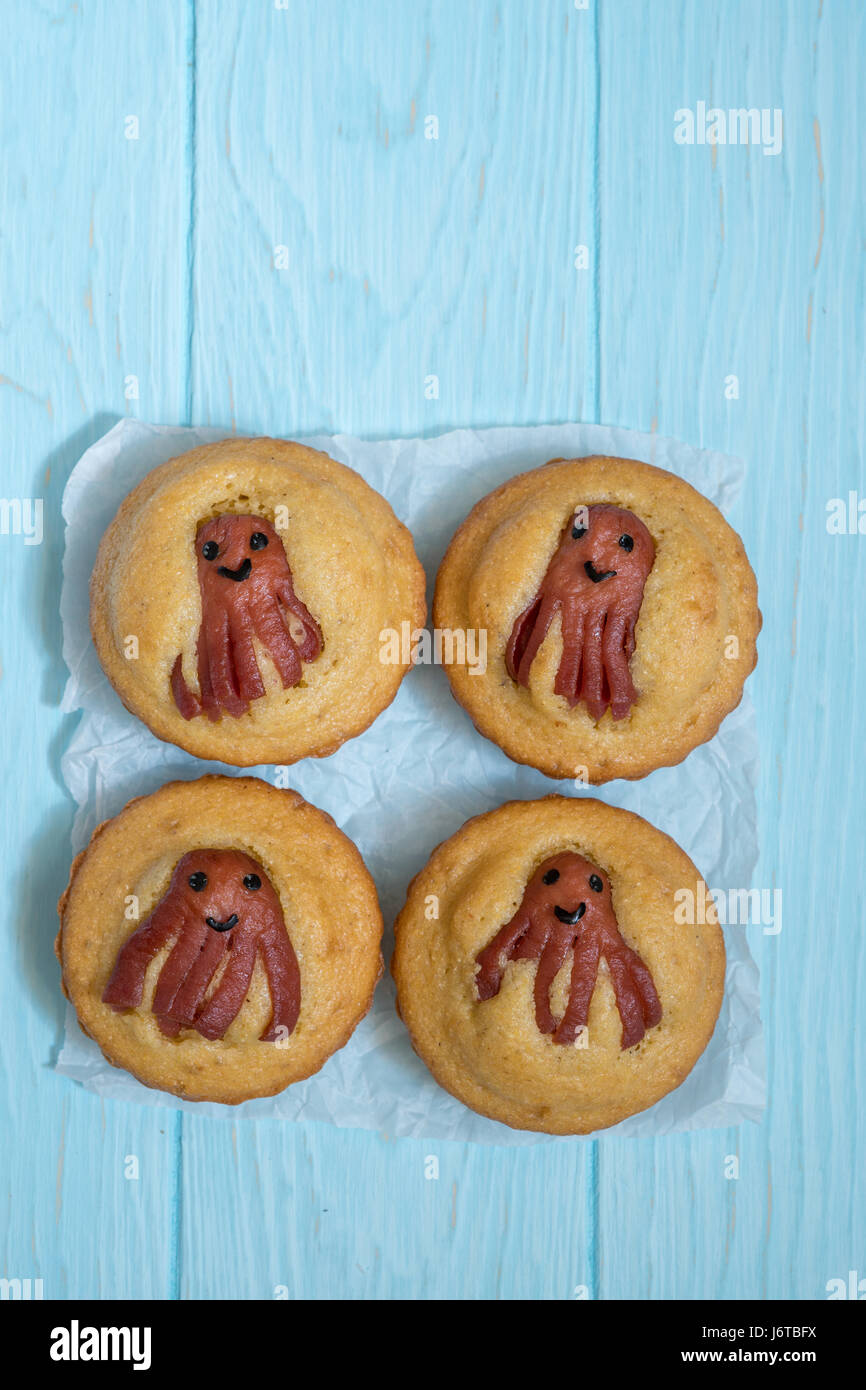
column 220, row 939
column 543, row 973
column 621, row 617
column 238, row 599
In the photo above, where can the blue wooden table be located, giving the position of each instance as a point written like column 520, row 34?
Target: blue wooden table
column 287, row 217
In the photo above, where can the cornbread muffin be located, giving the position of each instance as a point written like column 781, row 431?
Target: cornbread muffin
column 238, row 599
column 542, row 969
column 621, row 617
column 220, row 939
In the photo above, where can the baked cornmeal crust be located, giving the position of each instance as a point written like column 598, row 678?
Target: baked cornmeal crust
column 353, row 565
column 330, row 909
column 700, row 594
column 489, row 1053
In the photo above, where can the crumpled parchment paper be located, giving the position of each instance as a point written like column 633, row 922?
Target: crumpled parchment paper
column 413, row 778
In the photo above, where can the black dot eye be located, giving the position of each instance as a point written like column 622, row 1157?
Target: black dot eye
column 253, row 882
column 551, row 876
column 198, row 882
column 577, row 532
column 210, row 550
column 595, row 883
column 258, row 540
column 626, row 542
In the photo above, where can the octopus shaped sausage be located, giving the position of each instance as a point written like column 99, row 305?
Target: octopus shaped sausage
column 595, row 581
column 567, row 906
column 246, row 592
column 220, row 910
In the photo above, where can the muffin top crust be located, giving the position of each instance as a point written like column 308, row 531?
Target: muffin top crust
column 621, row 617
column 238, row 599
column 220, row 939
column 542, row 969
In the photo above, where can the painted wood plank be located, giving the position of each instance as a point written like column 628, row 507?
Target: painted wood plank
column 405, row 257
column 274, row 1211
column 92, row 275
column 735, row 262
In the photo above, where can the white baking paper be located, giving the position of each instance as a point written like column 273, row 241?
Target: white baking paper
column 413, row 778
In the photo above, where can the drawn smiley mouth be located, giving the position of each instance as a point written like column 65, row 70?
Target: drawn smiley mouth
column 223, row 926
column 240, row 574
column 570, row 917
column 591, row 571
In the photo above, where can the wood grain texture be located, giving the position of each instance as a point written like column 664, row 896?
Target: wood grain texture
column 92, row 276
column 283, row 250
column 736, row 262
